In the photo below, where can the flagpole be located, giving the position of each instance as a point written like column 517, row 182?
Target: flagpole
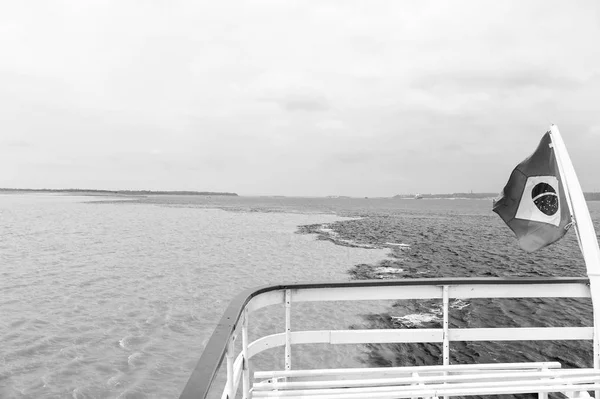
column 584, row 228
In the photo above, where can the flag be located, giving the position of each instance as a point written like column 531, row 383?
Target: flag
column 533, row 203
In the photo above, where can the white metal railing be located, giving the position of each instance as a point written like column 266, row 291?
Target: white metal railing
column 237, row 367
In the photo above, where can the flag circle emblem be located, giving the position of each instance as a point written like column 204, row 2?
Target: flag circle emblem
column 545, row 198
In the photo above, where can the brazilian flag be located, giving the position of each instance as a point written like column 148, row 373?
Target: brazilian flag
column 533, row 202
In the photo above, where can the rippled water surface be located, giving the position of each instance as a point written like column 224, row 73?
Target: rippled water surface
column 117, row 298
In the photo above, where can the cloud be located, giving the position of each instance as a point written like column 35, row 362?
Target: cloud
column 16, row 143
column 484, row 81
column 355, row 157
column 331, row 124
column 305, row 104
column 369, row 98
column 301, row 102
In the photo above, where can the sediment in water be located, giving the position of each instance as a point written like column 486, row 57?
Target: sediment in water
column 448, row 245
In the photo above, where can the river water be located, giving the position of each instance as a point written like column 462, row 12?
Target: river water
column 116, row 298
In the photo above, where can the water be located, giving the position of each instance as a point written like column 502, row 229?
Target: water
column 118, row 298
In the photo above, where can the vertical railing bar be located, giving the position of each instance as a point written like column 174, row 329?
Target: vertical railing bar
column 543, row 395
column 245, row 364
column 445, row 305
column 596, row 343
column 229, row 356
column 446, row 344
column 288, row 329
column 415, row 376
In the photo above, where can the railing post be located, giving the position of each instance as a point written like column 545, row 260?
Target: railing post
column 288, row 329
column 415, row 375
column 596, row 341
column 229, row 356
column 246, row 362
column 543, row 395
column 446, row 344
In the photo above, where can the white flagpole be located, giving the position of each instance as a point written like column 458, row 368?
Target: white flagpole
column 586, row 235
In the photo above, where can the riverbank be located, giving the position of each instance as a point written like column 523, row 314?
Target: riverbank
column 92, row 192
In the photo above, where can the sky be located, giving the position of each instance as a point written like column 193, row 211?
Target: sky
column 308, row 98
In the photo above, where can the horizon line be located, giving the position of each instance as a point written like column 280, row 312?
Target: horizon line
column 206, row 192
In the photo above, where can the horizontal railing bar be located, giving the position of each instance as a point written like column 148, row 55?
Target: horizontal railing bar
column 521, row 334
column 421, row 335
column 404, row 382
column 266, row 299
column 266, row 342
column 462, row 389
column 366, row 293
column 453, row 368
column 322, row 387
column 345, row 337
column 469, row 291
column 205, row 371
column 393, row 388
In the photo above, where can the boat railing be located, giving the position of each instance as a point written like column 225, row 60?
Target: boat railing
column 233, row 326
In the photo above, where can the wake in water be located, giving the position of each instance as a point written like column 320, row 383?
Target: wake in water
column 326, row 233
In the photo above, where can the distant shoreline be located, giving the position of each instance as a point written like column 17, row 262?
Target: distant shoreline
column 592, row 196
column 110, row 192
column 448, row 196
column 588, row 196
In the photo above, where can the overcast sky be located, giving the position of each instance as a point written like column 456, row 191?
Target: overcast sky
column 370, row 98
